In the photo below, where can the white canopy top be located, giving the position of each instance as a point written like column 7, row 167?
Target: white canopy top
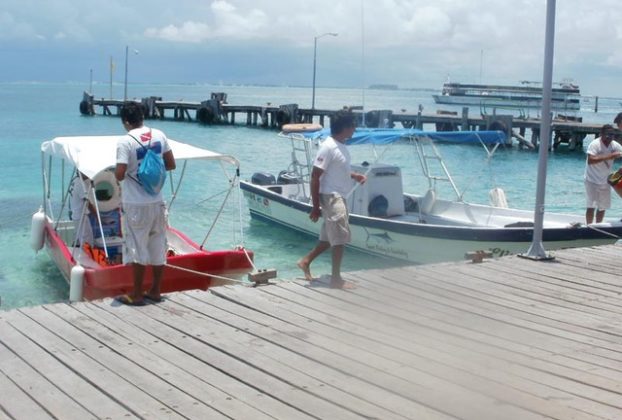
column 93, row 154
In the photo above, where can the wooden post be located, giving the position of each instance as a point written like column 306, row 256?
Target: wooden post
column 249, row 116
column 596, row 104
column 465, row 118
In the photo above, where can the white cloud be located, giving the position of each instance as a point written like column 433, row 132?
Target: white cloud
column 190, row 32
column 13, row 28
column 419, row 36
column 428, row 23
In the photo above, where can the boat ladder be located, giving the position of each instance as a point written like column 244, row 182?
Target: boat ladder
column 301, row 162
column 432, row 163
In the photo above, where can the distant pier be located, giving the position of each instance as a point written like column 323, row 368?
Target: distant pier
column 570, row 131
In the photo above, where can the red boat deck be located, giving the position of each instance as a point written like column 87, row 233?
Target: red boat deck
column 504, row 339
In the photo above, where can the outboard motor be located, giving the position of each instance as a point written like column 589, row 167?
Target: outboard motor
column 286, row 177
column 263, row 178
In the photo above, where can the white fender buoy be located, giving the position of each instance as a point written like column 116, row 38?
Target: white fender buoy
column 37, row 230
column 497, row 198
column 76, row 283
column 107, row 191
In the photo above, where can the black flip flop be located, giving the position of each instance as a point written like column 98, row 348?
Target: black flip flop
column 127, row 300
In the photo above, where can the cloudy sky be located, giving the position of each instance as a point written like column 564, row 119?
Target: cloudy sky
column 411, row 43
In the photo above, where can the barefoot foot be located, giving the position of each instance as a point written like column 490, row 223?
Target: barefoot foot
column 304, row 266
column 339, row 283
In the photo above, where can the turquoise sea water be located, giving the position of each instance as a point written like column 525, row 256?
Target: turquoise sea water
column 31, row 113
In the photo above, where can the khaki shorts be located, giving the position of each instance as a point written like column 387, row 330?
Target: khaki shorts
column 336, row 228
column 144, row 231
column 598, row 196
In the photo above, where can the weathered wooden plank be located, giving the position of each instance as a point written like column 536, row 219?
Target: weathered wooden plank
column 45, row 393
column 504, row 378
column 436, row 295
column 187, row 331
column 395, row 376
column 378, row 396
column 17, row 404
column 36, row 362
column 276, row 359
column 418, row 328
column 531, row 331
column 214, row 375
column 96, row 371
column 140, row 350
column 486, row 283
column 148, row 374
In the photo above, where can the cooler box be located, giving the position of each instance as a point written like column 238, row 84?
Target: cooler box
column 111, row 223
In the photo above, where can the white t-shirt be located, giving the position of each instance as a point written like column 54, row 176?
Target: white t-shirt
column 334, row 159
column 598, row 172
column 131, row 153
column 77, row 197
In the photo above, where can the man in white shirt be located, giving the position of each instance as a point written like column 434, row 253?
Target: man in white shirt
column 144, row 215
column 600, row 156
column 330, row 184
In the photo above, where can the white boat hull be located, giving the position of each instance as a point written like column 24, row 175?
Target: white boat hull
column 421, row 242
column 491, row 102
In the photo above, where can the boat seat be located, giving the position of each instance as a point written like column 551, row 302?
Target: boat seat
column 426, row 203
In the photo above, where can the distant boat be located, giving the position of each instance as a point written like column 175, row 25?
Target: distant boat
column 565, row 97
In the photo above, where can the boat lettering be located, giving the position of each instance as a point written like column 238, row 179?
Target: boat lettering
column 498, row 252
column 257, row 202
column 387, row 250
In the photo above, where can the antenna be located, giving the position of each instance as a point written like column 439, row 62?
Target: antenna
column 481, row 62
column 363, row 59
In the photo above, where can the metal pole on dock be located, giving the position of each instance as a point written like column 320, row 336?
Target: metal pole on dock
column 314, row 63
column 537, row 251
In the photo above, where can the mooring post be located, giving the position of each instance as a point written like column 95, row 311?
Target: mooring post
column 465, row 118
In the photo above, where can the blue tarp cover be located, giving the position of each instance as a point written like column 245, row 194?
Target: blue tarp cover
column 391, row 135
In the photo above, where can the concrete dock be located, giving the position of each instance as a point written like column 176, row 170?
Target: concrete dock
column 503, row 339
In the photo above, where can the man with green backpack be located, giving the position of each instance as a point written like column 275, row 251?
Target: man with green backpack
column 143, row 157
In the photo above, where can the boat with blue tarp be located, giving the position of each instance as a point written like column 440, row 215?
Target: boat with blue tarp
column 416, row 227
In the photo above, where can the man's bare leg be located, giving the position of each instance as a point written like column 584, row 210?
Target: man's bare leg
column 600, row 215
column 305, row 262
column 154, row 292
column 139, row 274
column 336, row 281
column 589, row 216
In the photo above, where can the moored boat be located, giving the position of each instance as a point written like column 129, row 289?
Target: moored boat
column 94, row 268
column 564, row 97
column 419, row 228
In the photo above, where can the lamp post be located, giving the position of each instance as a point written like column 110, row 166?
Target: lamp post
column 125, row 84
column 315, row 60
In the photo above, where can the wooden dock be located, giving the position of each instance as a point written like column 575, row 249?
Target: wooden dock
column 216, row 110
column 503, row 339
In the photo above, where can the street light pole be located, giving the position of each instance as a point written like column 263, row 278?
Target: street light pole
column 315, row 61
column 125, row 84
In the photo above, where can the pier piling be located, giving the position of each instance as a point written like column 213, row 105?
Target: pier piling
column 216, row 110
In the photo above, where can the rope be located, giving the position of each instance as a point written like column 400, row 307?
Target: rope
column 250, row 260
column 199, row 273
column 217, row 217
column 603, row 232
